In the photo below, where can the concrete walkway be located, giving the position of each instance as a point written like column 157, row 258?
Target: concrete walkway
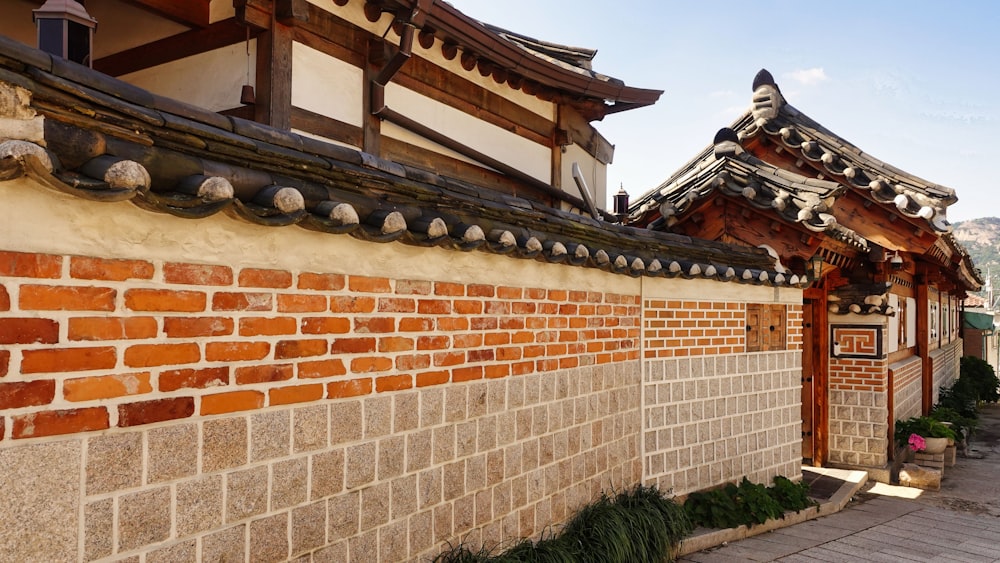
column 879, row 522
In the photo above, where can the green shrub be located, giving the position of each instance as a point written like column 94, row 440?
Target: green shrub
column 638, row 525
column 962, row 425
column 922, row 425
column 981, row 377
column 746, row 504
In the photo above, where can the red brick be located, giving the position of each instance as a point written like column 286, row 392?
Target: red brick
column 106, row 386
column 197, row 274
column 370, row 364
column 434, row 307
column 236, row 351
column 165, row 300
column 433, row 343
column 67, row 359
column 19, row 394
column 112, row 328
column 173, row 380
column 498, row 371
column 413, row 362
column 420, row 324
column 228, row 301
column 257, row 277
column 496, row 338
column 452, row 289
column 467, row 374
column 448, row 358
column 449, row 324
column 484, row 323
column 267, row 326
column 30, row 265
column 534, row 293
column 232, row 401
column 86, row 268
column 190, row 327
column 263, row 373
column 365, row 284
column 352, row 388
column 522, row 368
column 375, row 324
column 485, row 355
column 4, row 362
column 146, row 355
column 504, row 292
column 4, row 299
column 395, row 344
column 295, row 394
column 393, row 383
column 295, row 303
column 468, row 307
column 396, row 305
column 148, row 412
column 299, row 348
column 481, row 290
column 432, row 378
column 66, row 298
column 346, row 304
column 467, row 340
column 326, row 325
column 321, row 282
column 507, row 354
column 321, row 368
column 413, row 287
column 54, row 423
column 352, row 346
column 29, row 331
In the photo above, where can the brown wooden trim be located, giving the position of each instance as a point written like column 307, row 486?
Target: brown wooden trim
column 373, row 98
column 274, row 76
column 244, row 112
column 190, row 12
column 426, row 159
column 305, row 120
column 219, row 34
column 341, row 39
column 821, row 382
column 923, row 345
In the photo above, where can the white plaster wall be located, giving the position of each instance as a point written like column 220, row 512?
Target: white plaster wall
column 221, row 10
column 122, row 230
column 594, row 172
column 911, row 322
column 326, row 85
column 212, row 80
column 711, row 290
column 512, row 149
column 354, row 13
column 892, row 340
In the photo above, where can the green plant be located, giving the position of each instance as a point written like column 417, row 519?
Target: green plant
column 791, row 495
column 924, row 426
column 748, row 503
column 962, row 425
column 638, row 525
column 982, row 379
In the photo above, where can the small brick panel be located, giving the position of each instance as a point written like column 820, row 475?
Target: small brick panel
column 907, row 390
column 945, row 362
column 92, row 343
column 711, row 420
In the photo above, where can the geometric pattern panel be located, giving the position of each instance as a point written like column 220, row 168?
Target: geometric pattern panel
column 856, row 341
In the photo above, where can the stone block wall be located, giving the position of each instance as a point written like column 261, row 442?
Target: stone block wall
column 175, row 393
column 859, row 405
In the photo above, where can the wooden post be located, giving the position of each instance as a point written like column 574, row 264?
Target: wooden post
column 274, row 75
column 923, row 344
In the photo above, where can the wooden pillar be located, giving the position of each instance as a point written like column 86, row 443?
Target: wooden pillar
column 274, row 75
column 373, row 97
column 923, row 344
column 819, row 341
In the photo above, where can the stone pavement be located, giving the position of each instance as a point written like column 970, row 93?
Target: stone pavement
column 879, row 522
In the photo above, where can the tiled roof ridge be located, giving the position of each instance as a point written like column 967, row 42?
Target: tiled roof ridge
column 171, row 157
column 912, row 196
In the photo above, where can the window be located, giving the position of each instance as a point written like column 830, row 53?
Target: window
column 901, row 324
column 765, row 327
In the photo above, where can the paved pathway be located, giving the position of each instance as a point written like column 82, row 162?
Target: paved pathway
column 881, row 529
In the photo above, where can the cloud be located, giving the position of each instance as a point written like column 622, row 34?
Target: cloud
column 808, row 76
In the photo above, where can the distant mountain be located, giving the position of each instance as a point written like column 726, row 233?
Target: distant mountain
column 981, row 238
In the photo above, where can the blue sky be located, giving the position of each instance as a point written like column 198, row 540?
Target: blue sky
column 915, row 84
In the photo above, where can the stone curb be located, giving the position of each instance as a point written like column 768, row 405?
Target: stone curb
column 705, row 538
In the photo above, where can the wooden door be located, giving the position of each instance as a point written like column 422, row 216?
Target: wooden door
column 808, row 387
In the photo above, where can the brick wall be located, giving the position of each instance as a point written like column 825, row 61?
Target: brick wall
column 858, row 397
column 175, row 390
column 945, row 365
column 907, row 389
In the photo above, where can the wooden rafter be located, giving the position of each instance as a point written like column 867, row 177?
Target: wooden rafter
column 188, row 12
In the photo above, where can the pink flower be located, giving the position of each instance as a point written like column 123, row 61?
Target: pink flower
column 917, row 443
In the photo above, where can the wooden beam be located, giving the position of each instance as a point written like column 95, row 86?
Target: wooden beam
column 274, row 76
column 188, row 12
column 219, row 34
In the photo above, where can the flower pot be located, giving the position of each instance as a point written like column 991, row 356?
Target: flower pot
column 935, row 445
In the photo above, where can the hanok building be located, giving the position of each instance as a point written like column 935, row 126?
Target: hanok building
column 315, row 279
column 881, row 316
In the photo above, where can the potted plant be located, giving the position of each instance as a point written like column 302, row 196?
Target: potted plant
column 923, row 433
